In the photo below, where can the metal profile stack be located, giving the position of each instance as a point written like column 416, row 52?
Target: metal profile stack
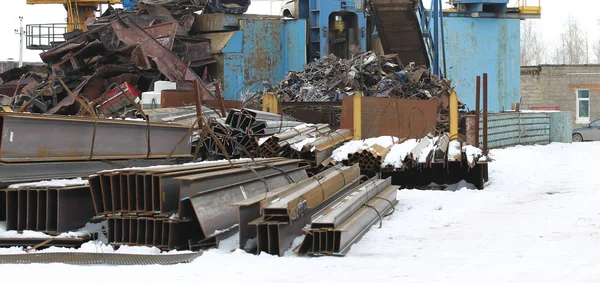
column 317, row 150
column 49, row 209
column 184, row 206
column 270, row 222
column 372, row 157
column 280, row 144
column 334, row 229
column 238, row 131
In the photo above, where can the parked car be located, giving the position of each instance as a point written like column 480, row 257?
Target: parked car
column 288, row 9
column 590, row 132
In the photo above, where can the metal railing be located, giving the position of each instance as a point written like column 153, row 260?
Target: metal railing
column 44, row 36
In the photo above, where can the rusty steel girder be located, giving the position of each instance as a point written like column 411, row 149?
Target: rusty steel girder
column 33, row 137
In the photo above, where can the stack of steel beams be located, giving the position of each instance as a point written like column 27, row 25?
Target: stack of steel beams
column 184, row 206
column 270, row 222
column 334, row 229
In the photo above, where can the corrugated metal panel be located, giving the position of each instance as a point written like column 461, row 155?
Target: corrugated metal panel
column 509, row 129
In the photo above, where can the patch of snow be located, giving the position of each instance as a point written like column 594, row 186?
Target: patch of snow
column 262, row 140
column 57, row 183
column 536, row 221
column 425, row 152
column 398, row 153
column 183, row 165
column 299, row 145
column 89, row 228
column 341, row 152
column 472, row 152
column 454, row 151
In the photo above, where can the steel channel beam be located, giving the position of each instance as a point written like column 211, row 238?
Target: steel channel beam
column 31, row 217
column 287, row 232
column 30, row 242
column 167, row 188
column 12, row 209
column 11, row 173
column 22, row 209
column 361, row 221
column 339, row 210
column 311, row 193
column 3, row 207
column 74, row 208
column 51, row 211
column 214, row 209
column 193, row 184
column 250, row 209
column 32, row 137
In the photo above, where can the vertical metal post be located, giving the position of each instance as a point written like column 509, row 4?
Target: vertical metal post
column 198, row 97
column 485, row 113
column 443, row 43
column 220, row 98
column 357, row 117
column 477, row 109
column 21, row 34
column 436, row 59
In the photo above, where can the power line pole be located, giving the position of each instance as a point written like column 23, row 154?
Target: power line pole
column 21, row 33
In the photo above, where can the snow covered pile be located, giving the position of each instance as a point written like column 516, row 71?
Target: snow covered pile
column 89, row 228
column 399, row 152
column 342, row 152
column 58, row 183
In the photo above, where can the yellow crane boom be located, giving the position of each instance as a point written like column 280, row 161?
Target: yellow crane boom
column 77, row 10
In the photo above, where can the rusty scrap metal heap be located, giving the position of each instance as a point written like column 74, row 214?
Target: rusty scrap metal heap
column 331, row 78
column 102, row 72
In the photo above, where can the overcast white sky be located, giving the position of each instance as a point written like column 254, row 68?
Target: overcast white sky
column 554, row 15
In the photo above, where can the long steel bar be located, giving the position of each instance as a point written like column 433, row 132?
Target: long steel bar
column 311, row 193
column 214, row 209
column 31, row 137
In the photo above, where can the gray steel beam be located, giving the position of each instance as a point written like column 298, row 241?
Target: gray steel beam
column 32, row 137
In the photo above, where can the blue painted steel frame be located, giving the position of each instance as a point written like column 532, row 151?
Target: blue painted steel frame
column 432, row 24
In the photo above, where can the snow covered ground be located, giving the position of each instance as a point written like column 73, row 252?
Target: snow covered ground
column 537, row 221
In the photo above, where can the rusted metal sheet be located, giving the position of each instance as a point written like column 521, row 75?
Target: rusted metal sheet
column 167, row 62
column 402, row 118
column 177, row 98
column 32, row 137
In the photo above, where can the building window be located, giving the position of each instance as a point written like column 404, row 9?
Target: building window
column 583, row 106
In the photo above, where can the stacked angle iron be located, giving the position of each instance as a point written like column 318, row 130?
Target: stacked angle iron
column 184, row 206
column 270, row 222
column 318, row 150
column 372, row 157
column 280, row 144
column 335, row 228
column 238, row 132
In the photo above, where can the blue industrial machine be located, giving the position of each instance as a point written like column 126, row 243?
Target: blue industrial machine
column 251, row 48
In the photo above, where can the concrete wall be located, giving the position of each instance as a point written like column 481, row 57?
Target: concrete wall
column 556, row 86
column 484, row 45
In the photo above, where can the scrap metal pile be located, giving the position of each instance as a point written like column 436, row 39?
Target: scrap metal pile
column 102, row 72
column 252, row 133
column 331, row 78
